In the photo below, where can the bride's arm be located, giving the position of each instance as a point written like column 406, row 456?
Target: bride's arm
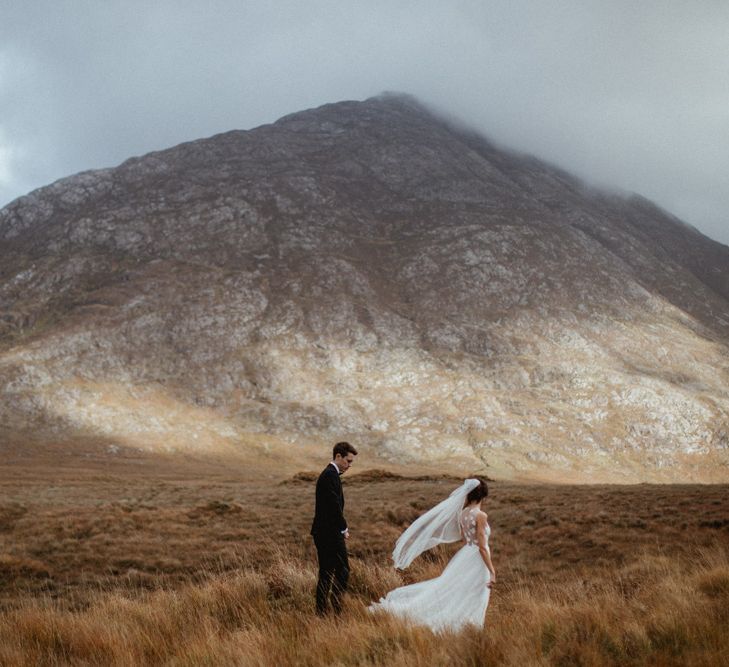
column 483, row 549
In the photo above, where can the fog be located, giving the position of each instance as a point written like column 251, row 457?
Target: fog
column 628, row 95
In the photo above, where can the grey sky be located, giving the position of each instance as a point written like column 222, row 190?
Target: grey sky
column 632, row 95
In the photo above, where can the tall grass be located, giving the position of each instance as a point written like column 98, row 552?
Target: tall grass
column 653, row 611
column 168, row 564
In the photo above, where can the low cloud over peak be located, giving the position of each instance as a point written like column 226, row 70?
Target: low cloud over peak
column 627, row 95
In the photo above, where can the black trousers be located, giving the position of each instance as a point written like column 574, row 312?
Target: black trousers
column 333, row 571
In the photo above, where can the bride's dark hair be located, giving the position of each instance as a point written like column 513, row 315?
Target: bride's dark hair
column 477, row 494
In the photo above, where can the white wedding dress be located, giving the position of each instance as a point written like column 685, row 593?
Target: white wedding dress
column 458, row 597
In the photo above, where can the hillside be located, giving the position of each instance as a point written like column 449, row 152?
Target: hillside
column 366, row 270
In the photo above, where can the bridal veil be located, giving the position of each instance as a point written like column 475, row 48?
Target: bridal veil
column 437, row 526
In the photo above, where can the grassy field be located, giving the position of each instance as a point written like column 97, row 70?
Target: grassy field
column 133, row 561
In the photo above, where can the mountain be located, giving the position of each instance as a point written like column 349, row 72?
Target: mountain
column 366, row 270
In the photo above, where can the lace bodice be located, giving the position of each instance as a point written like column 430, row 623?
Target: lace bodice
column 467, row 522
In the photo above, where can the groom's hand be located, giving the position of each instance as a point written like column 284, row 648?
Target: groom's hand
column 346, row 534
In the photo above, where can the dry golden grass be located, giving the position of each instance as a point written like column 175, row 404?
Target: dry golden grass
column 157, row 561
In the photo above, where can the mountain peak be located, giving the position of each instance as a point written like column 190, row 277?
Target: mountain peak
column 367, row 268
column 383, row 108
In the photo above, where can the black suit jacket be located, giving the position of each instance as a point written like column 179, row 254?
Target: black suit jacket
column 329, row 507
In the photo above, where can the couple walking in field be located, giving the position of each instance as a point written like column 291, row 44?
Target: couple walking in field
column 459, row 596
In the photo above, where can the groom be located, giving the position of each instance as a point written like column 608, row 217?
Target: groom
column 330, row 530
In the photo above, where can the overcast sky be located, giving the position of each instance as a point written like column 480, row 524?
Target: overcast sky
column 632, row 95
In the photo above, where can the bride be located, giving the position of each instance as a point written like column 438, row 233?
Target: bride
column 460, row 595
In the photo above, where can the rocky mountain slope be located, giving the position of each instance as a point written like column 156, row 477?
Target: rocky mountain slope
column 368, row 270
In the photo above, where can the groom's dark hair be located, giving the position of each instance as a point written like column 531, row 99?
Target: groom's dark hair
column 343, row 448
column 479, row 493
